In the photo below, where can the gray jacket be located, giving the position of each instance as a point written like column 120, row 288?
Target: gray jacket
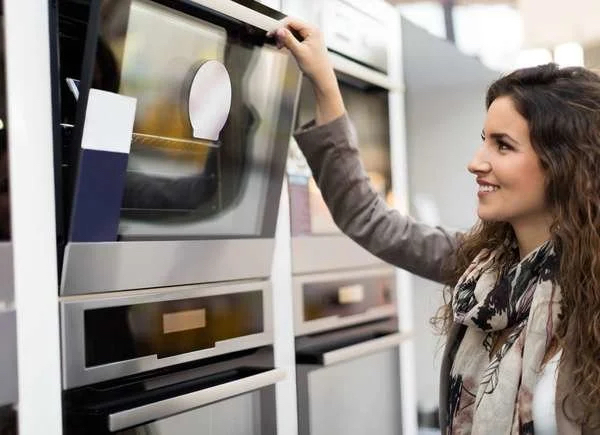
column 332, row 153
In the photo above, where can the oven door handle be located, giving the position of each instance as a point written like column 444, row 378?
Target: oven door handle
column 174, row 405
column 241, row 13
column 368, row 347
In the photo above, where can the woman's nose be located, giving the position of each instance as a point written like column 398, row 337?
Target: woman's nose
column 479, row 163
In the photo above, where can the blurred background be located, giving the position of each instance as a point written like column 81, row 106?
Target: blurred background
column 507, row 34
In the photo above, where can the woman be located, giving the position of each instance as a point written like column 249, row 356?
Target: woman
column 525, row 281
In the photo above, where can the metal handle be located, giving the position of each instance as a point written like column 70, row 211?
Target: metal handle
column 361, row 72
column 366, row 348
column 165, row 408
column 241, row 13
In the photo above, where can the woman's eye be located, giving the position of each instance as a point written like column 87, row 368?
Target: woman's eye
column 482, row 137
column 503, row 146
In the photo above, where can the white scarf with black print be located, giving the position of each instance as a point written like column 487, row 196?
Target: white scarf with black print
column 491, row 386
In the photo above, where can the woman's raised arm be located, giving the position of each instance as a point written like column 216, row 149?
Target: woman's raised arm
column 330, row 147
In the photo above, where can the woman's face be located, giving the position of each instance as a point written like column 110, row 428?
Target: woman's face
column 511, row 183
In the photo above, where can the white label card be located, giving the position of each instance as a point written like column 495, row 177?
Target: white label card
column 108, row 122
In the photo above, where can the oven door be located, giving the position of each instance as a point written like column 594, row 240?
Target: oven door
column 232, row 396
column 187, row 191
column 348, row 381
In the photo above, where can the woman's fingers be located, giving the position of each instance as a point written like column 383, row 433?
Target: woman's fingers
column 285, row 38
column 303, row 29
column 306, row 44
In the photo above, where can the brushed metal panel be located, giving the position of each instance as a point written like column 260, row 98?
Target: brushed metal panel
column 8, row 358
column 6, row 273
column 75, row 372
column 357, row 397
column 326, row 253
column 115, row 266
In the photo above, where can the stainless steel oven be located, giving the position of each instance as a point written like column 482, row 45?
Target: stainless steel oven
column 170, row 360
column 8, row 323
column 347, row 355
column 345, row 299
column 175, row 117
column 356, row 36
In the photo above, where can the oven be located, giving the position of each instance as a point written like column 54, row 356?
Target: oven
column 346, row 300
column 170, row 360
column 8, row 322
column 175, row 118
column 347, row 353
column 356, row 37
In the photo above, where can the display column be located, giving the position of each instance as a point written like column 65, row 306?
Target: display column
column 401, row 192
column 33, row 219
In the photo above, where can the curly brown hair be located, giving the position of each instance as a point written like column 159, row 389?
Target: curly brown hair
column 562, row 108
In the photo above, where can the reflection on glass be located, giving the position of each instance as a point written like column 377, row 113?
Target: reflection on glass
column 135, row 331
column 181, row 183
column 324, row 299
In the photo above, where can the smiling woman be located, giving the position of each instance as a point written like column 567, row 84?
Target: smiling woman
column 512, row 183
column 524, row 283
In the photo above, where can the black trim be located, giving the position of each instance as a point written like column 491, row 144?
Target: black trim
column 261, row 8
column 56, row 131
column 311, row 349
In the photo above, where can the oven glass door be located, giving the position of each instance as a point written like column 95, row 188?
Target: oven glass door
column 214, row 110
column 211, row 102
column 368, row 110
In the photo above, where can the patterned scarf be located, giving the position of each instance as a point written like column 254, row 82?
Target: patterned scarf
column 509, row 324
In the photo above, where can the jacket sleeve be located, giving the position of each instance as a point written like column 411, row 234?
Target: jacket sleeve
column 332, row 153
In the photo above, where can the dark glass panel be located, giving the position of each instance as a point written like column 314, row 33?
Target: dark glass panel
column 169, row 328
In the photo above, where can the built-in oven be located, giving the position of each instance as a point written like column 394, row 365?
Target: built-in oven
column 175, row 118
column 345, row 299
column 8, row 322
column 347, row 357
column 170, row 360
column 356, row 37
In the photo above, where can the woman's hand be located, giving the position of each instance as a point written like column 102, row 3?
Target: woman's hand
column 312, row 57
